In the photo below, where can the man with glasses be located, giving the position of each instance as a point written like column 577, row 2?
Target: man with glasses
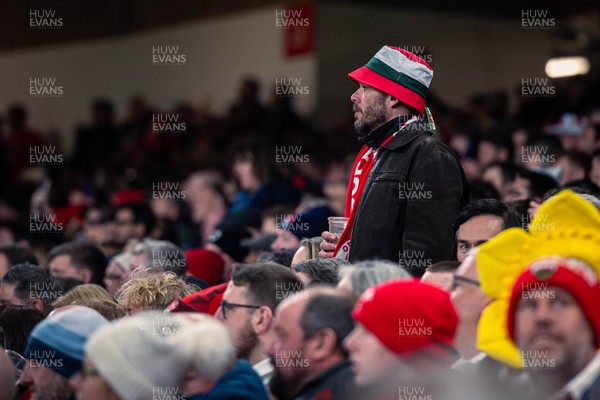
column 247, row 310
column 470, row 301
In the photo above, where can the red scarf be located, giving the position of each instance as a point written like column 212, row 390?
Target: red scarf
column 360, row 173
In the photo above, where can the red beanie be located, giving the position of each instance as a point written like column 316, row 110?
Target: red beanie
column 205, row 301
column 406, row 315
column 206, row 265
column 571, row 275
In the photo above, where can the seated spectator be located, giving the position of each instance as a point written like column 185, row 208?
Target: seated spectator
column 30, row 285
column 358, row 277
column 207, row 201
column 82, row 261
column 261, row 183
column 17, row 322
column 215, row 374
column 116, row 272
column 247, row 309
column 386, row 358
column 52, row 359
column 135, row 359
column 528, row 184
column 574, row 167
column 479, row 221
column 308, row 356
column 152, row 292
column 319, row 271
column 440, row 274
column 499, row 174
column 81, row 295
column 308, row 250
column 11, row 254
column 544, row 290
column 158, row 255
column 132, row 221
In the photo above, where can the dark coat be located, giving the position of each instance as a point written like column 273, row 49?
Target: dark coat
column 413, row 194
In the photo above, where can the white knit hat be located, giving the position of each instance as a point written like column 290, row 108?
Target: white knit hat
column 140, row 356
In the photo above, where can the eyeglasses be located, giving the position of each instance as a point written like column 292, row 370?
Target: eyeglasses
column 459, row 278
column 226, row 306
column 88, row 372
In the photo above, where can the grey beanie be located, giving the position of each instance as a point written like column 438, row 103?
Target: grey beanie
column 141, row 356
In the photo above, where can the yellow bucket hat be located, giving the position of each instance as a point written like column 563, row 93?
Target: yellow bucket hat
column 566, row 227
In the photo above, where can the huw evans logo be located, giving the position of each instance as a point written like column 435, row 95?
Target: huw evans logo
column 414, row 327
column 44, row 19
column 413, row 393
column 291, row 18
column 168, row 55
column 167, row 393
column 537, row 87
column 44, row 155
column 44, row 87
column 167, row 123
column 419, row 51
column 290, row 155
column 290, row 87
column 168, row 191
column 537, row 19
column 44, row 223
column 290, row 222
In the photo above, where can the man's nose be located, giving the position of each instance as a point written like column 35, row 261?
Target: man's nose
column 355, row 97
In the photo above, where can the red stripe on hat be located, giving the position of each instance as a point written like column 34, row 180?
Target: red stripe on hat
column 366, row 76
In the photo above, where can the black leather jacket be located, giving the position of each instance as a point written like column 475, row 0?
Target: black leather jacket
column 413, row 194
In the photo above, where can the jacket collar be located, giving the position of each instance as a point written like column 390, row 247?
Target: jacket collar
column 407, row 134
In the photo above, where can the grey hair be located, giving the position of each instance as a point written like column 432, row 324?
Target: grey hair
column 320, row 270
column 162, row 255
column 365, row 274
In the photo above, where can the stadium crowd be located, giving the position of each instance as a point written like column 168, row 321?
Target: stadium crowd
column 194, row 260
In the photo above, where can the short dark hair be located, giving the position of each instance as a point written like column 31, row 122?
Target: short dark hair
column 142, row 213
column 507, row 169
column 329, row 310
column 538, row 183
column 321, row 270
column 283, row 257
column 17, row 322
column 579, row 158
column 268, row 283
column 487, row 207
column 83, row 256
column 30, row 280
column 17, row 254
column 443, row 266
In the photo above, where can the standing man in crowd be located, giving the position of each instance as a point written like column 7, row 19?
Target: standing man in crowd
column 405, row 187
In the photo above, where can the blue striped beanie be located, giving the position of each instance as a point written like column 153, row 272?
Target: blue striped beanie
column 58, row 341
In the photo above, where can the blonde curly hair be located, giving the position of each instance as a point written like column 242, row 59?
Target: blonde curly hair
column 153, row 291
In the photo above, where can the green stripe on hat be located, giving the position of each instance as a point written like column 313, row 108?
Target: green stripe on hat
column 390, row 73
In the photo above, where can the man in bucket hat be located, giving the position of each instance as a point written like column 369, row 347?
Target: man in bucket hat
column 405, row 187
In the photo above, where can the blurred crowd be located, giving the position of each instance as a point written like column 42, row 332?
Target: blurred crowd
column 174, row 254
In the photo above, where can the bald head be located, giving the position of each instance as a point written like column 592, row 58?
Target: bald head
column 8, row 376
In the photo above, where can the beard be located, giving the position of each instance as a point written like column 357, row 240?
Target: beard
column 57, row 389
column 247, row 341
column 373, row 115
column 285, row 387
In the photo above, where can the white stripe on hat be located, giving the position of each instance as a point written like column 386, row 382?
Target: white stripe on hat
column 399, row 62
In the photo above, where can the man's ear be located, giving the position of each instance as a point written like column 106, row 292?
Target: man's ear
column 392, row 101
column 37, row 304
column 262, row 319
column 324, row 343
